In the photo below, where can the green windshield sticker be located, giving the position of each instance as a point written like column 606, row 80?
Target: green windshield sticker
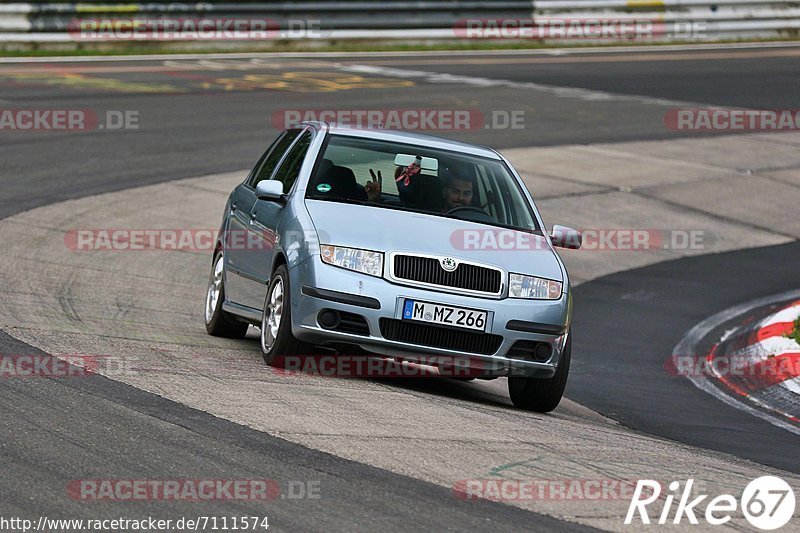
column 323, row 187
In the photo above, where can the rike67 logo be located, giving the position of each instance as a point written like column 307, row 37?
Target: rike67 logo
column 767, row 502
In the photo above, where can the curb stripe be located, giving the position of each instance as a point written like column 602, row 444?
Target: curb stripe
column 777, row 329
column 754, row 406
column 765, row 374
column 749, row 339
column 789, row 313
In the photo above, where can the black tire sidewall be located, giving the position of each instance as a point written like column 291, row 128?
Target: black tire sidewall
column 542, row 395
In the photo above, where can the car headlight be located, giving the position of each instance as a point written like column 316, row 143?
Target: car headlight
column 531, row 287
column 363, row 261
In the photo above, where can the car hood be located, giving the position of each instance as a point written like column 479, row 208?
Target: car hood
column 390, row 230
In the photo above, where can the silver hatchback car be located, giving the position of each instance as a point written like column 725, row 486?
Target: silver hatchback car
column 407, row 246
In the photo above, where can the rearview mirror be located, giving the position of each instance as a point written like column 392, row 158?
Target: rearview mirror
column 428, row 163
column 270, row 190
column 564, row 237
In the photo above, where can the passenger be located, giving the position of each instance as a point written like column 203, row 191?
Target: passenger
column 456, row 192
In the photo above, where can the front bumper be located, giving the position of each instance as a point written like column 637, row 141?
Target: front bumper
column 316, row 286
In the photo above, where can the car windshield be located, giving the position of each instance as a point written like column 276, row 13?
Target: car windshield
column 420, row 179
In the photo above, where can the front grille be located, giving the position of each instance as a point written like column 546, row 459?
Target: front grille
column 436, row 337
column 465, row 276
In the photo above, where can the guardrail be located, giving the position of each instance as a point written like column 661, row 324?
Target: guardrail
column 336, row 20
column 337, row 14
column 709, row 18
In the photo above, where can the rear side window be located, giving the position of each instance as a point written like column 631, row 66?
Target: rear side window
column 272, row 157
column 290, row 168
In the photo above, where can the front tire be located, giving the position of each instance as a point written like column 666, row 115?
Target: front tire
column 218, row 322
column 542, row 395
column 276, row 321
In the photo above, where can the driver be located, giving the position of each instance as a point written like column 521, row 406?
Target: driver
column 457, row 192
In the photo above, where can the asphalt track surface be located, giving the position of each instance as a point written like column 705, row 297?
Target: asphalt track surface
column 200, row 127
column 54, row 430
column 632, row 320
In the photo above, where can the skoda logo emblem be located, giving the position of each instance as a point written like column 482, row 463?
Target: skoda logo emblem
column 449, row 264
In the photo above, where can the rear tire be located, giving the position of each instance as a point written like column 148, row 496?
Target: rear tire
column 218, row 322
column 542, row 395
column 276, row 321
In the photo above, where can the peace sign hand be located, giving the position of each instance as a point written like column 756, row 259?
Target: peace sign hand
column 374, row 187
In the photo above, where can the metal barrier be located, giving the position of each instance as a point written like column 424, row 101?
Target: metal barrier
column 709, row 19
column 338, row 20
column 338, row 14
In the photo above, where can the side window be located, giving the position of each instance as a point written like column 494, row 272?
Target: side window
column 254, row 172
column 290, row 168
column 273, row 155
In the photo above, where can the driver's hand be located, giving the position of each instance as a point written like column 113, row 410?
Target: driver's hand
column 374, row 187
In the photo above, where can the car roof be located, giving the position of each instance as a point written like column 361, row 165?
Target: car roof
column 399, row 136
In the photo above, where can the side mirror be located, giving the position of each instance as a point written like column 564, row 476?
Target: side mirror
column 564, row 237
column 271, row 190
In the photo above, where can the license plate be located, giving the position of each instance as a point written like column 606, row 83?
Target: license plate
column 446, row 315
